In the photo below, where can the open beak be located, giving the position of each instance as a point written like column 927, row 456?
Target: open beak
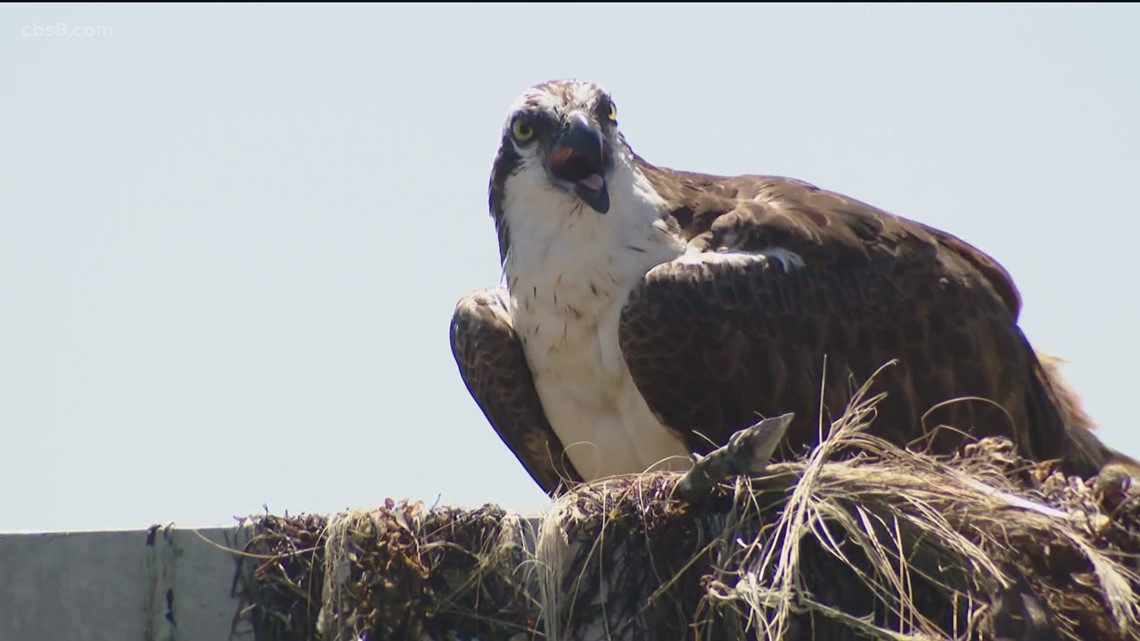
column 580, row 161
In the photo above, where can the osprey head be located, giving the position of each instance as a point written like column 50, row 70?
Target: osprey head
column 563, row 134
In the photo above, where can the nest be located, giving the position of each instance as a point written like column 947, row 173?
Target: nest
column 280, row 576
column 885, row 544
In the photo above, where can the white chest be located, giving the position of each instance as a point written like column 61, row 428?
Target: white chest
column 569, row 273
column 593, row 404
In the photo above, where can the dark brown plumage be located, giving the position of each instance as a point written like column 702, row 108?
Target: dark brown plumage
column 873, row 287
column 495, row 371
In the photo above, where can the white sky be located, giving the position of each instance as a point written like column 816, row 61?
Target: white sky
column 231, row 237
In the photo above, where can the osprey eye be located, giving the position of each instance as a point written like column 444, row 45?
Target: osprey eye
column 522, row 130
column 613, row 112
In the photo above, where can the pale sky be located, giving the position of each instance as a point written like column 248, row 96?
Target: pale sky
column 232, row 237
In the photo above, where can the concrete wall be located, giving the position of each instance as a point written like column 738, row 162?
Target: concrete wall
column 162, row 584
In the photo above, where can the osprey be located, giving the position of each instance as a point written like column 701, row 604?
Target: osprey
column 650, row 313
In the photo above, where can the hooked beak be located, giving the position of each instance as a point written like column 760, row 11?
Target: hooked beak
column 580, row 162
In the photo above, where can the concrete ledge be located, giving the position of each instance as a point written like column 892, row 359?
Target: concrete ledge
column 162, row 584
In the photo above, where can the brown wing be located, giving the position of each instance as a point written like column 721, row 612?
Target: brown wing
column 493, row 366
column 712, row 344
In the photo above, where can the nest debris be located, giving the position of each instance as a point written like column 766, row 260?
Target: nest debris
column 885, row 544
column 403, row 572
column 280, row 576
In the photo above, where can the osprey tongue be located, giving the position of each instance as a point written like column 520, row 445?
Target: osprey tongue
column 574, row 164
column 593, row 182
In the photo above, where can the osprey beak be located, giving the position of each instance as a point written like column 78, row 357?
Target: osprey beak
column 580, row 162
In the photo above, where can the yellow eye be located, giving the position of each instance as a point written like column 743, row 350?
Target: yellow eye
column 613, row 112
column 522, row 130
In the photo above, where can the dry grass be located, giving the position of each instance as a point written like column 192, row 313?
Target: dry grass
column 402, row 572
column 280, row 574
column 884, row 544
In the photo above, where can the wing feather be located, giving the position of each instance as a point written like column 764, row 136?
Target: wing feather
column 714, row 342
column 493, row 366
